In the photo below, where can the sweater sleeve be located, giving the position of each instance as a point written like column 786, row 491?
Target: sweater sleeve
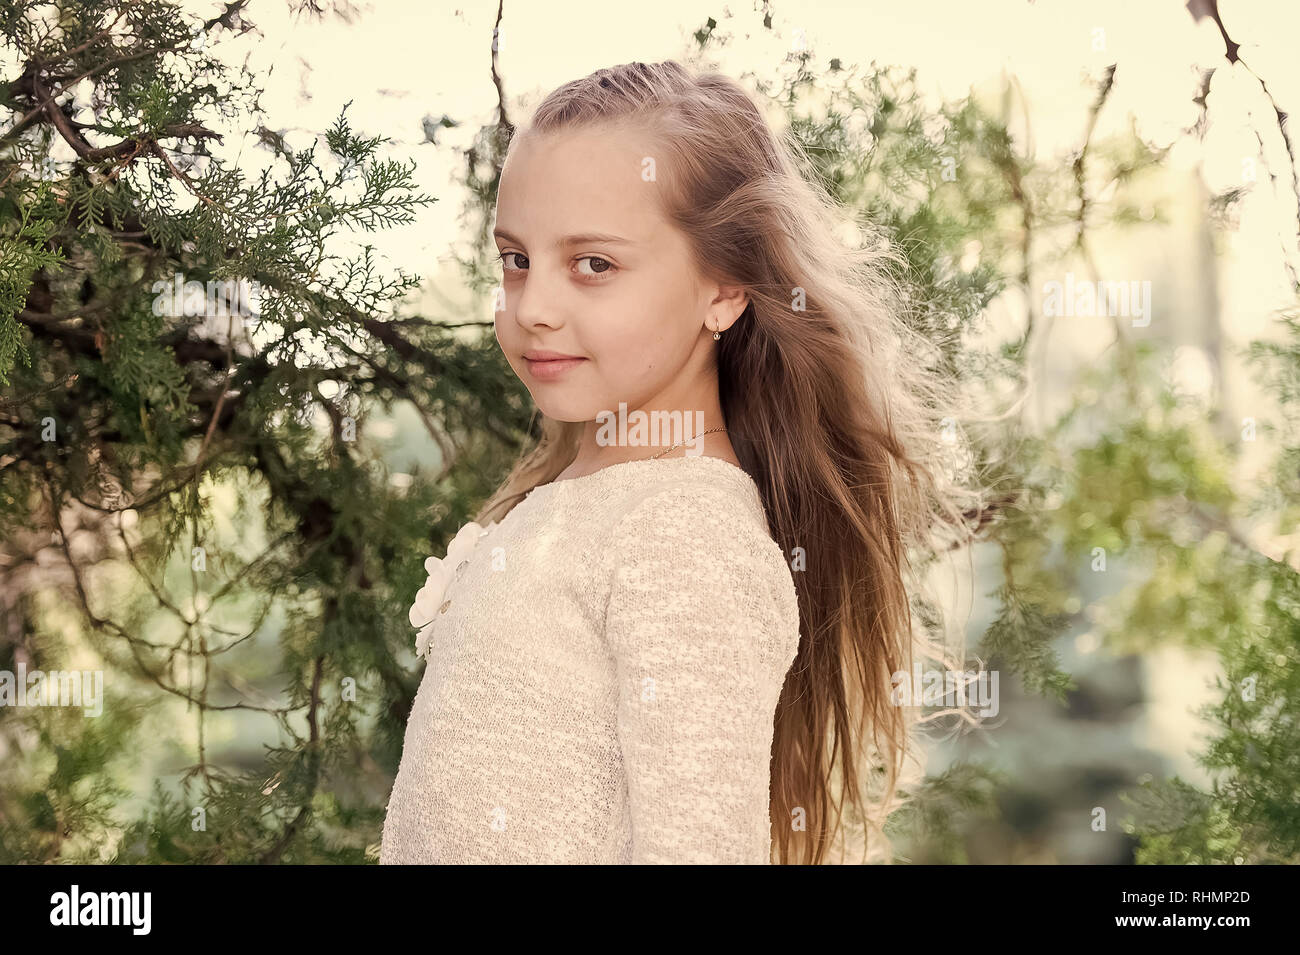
column 702, row 625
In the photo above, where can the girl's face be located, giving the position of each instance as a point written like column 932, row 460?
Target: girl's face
column 592, row 269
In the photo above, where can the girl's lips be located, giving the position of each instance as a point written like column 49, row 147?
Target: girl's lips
column 553, row 369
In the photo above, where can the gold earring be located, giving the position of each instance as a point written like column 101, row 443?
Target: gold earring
column 716, row 334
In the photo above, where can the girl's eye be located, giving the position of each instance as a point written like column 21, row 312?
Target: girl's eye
column 517, row 268
column 599, row 266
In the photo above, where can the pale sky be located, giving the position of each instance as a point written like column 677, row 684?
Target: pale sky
column 404, row 59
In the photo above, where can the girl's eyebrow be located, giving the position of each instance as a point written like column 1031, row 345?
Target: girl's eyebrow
column 582, row 239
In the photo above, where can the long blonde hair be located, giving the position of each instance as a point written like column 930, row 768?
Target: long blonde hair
column 830, row 409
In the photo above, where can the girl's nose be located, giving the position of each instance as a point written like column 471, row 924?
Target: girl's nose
column 537, row 299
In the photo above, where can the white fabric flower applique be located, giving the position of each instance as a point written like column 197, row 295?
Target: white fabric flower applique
column 429, row 601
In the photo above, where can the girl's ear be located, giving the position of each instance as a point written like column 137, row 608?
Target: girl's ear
column 727, row 306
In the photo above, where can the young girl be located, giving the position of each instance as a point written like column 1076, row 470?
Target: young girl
column 665, row 644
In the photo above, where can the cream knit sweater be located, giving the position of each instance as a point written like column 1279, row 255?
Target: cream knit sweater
column 602, row 678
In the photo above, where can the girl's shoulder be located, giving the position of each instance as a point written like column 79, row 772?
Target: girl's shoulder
column 698, row 557
column 684, row 530
column 714, row 506
column 672, row 493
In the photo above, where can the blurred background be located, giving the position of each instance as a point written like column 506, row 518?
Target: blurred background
column 224, row 510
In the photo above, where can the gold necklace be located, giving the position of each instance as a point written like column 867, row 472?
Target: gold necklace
column 679, row 444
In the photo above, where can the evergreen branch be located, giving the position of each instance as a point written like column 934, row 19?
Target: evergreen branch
column 45, row 101
column 105, row 624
